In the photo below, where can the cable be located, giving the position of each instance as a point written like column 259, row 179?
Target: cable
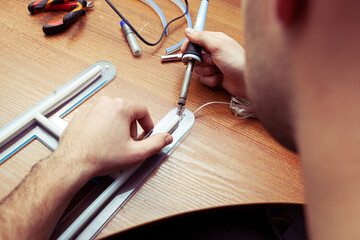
column 204, row 105
column 241, row 107
column 138, row 34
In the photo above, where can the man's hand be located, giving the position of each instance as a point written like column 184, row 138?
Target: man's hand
column 223, row 61
column 102, row 138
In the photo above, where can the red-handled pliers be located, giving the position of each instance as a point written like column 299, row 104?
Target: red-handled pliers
column 77, row 9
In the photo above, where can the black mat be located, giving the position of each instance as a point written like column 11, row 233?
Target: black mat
column 250, row 222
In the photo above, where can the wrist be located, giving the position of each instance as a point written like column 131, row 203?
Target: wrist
column 67, row 169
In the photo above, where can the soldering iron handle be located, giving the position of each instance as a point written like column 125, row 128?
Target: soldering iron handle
column 192, row 56
column 193, row 49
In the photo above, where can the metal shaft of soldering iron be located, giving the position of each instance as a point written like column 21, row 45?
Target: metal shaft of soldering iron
column 192, row 56
column 185, row 87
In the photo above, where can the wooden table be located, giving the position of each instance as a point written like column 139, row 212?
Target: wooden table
column 224, row 161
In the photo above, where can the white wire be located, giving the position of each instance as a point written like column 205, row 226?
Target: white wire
column 144, row 26
column 206, row 104
column 241, row 107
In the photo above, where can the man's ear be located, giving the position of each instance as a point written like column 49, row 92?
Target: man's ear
column 288, row 10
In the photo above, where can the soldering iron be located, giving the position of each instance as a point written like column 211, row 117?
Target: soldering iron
column 192, row 56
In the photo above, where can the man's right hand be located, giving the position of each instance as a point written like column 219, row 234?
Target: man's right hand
column 102, row 138
column 223, row 61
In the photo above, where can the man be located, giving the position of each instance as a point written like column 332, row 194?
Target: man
column 302, row 77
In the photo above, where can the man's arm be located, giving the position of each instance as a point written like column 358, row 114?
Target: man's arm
column 99, row 140
column 34, row 207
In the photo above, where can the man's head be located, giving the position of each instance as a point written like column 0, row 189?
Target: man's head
column 303, row 76
column 302, row 60
column 270, row 30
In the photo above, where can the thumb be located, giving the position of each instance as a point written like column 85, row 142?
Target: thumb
column 202, row 38
column 152, row 145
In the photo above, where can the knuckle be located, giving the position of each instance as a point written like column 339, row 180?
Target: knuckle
column 197, row 70
column 140, row 154
column 121, row 104
column 121, row 101
column 103, row 99
column 221, row 36
column 211, row 81
column 218, row 39
column 206, row 81
column 208, row 60
column 159, row 145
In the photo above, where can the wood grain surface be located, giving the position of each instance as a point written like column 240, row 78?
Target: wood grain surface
column 224, row 161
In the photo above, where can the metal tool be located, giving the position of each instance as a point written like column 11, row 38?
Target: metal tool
column 171, row 58
column 77, row 8
column 192, row 56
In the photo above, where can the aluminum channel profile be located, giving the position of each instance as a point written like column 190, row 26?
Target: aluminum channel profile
column 71, row 94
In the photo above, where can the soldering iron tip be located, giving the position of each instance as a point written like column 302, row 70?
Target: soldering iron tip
column 180, row 110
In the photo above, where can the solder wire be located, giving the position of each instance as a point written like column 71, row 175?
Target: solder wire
column 138, row 34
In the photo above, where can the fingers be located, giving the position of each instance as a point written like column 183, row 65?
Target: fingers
column 210, row 41
column 210, row 74
column 133, row 130
column 202, row 38
column 206, row 59
column 150, row 146
column 184, row 45
column 131, row 111
column 206, row 53
column 136, row 112
column 141, row 114
column 212, row 80
column 206, row 70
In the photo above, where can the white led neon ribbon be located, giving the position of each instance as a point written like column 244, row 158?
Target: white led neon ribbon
column 161, row 15
column 177, row 47
column 158, row 11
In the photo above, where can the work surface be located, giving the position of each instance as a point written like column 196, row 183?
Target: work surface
column 224, row 160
